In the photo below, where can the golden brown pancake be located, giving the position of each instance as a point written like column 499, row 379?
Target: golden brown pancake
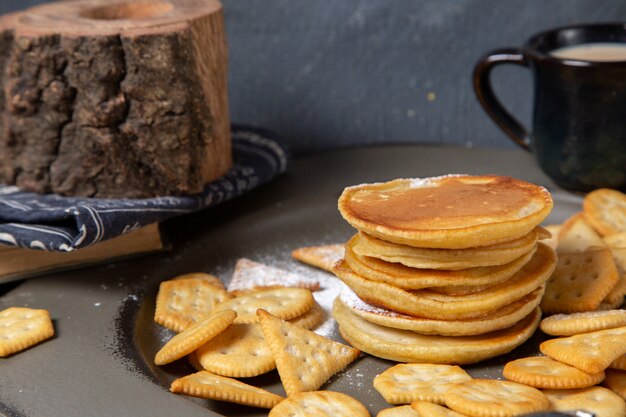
column 498, row 254
column 429, row 304
column 502, row 318
column 407, row 346
column 450, row 212
column 409, row 278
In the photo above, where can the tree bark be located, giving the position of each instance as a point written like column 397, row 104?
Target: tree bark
column 114, row 99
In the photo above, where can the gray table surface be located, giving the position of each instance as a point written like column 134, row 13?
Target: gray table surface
column 99, row 362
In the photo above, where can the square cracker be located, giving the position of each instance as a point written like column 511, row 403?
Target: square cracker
column 304, row 360
column 590, row 352
column 580, row 281
column 577, row 235
column 182, row 302
column 21, row 328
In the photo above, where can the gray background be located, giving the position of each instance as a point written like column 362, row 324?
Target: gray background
column 335, row 73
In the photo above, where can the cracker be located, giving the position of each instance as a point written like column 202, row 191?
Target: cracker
column 195, row 336
column 204, row 384
column 249, row 274
column 580, row 281
column 323, row 257
column 600, row 401
column 589, row 352
column 585, row 322
column 424, row 408
column 576, row 235
column 319, row 404
column 285, row 303
column 502, row 318
column 553, row 240
column 182, row 302
column 401, row 411
column 407, row 346
column 619, row 363
column 616, row 381
column 311, row 318
column 405, row 383
column 617, row 240
column 304, row 360
column 488, row 397
column 543, row 372
column 22, row 327
column 606, row 211
column 238, row 352
column 211, row 279
column 618, row 292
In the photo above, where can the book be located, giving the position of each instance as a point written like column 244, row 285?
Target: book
column 17, row 263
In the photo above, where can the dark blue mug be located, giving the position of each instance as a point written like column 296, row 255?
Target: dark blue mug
column 579, row 117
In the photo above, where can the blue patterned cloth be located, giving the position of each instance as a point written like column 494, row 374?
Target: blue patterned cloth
column 55, row 223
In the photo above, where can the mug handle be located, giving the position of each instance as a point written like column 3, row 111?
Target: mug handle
column 488, row 99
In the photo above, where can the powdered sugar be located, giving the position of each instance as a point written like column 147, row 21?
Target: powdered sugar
column 351, row 300
column 250, row 274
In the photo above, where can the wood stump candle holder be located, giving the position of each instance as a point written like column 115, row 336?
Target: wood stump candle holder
column 109, row 98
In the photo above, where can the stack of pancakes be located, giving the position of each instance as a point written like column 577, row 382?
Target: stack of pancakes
column 447, row 269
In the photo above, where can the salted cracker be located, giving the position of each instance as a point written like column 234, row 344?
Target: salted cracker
column 285, row 303
column 577, row 235
column 323, row 257
column 211, row 279
column 584, row 322
column 249, row 274
column 304, row 360
column 600, row 401
column 182, row 302
column 401, row 411
column 22, row 327
column 311, row 318
column 494, row 398
column 405, row 383
column 606, row 211
column 195, row 336
column 319, row 404
column 204, row 384
column 616, row 381
column 424, row 408
column 238, row 352
column 580, row 281
column 590, row 352
column 543, row 372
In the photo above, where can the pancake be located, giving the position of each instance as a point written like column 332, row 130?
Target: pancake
column 498, row 254
column 449, row 212
column 402, row 276
column 502, row 318
column 429, row 304
column 407, row 346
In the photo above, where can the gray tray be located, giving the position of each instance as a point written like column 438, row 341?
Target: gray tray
column 100, row 361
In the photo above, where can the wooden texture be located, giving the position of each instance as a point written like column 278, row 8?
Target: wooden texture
column 114, row 99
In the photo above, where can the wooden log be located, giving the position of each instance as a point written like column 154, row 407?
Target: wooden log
column 110, row 98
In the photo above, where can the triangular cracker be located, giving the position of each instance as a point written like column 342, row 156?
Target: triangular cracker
column 323, row 257
column 304, row 360
column 249, row 275
column 204, row 384
column 590, row 352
